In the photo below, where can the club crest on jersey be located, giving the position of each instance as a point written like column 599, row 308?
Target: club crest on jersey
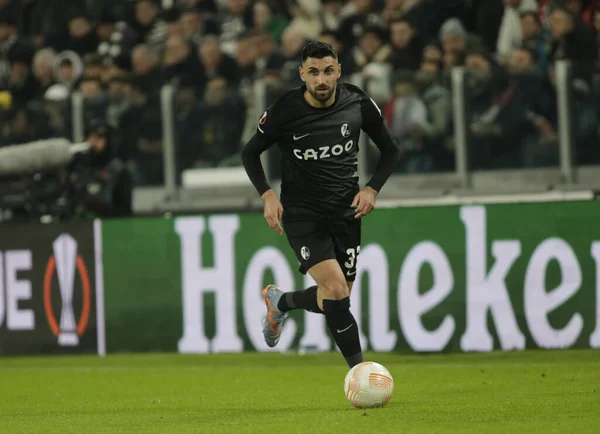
column 346, row 130
column 305, row 253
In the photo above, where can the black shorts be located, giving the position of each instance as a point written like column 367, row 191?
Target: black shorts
column 316, row 240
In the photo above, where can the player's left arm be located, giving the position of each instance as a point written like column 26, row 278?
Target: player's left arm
column 374, row 126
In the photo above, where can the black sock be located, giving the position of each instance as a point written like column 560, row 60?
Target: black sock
column 305, row 299
column 342, row 325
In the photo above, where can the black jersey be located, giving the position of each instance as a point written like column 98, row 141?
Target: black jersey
column 319, row 148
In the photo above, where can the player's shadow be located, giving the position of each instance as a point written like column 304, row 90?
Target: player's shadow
column 296, row 409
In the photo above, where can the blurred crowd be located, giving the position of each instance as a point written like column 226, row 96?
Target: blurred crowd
column 119, row 53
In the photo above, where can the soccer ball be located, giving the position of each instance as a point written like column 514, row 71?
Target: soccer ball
column 368, row 385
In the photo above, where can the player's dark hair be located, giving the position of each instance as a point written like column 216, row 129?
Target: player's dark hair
column 317, row 50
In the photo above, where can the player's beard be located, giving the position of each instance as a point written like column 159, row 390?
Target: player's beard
column 322, row 95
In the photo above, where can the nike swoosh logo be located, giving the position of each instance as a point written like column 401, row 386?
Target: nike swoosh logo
column 347, row 328
column 351, row 273
column 300, row 137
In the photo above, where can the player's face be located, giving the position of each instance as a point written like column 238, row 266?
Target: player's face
column 321, row 76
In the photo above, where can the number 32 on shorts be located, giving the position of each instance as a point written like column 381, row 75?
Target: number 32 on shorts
column 352, row 255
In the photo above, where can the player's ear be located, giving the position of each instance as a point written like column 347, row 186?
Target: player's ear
column 301, row 71
column 339, row 71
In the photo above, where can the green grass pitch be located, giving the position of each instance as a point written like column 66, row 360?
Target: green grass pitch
column 520, row 392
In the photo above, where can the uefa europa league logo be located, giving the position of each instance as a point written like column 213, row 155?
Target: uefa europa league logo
column 65, row 253
column 65, row 263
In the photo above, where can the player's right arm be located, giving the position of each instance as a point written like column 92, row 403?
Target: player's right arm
column 262, row 140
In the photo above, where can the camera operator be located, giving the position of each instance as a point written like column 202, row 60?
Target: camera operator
column 109, row 187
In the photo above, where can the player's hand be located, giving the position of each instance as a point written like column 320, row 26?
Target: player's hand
column 364, row 202
column 273, row 210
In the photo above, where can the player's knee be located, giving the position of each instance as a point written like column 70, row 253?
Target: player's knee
column 334, row 289
column 336, row 307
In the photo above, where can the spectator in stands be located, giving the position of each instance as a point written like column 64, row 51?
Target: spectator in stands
column 236, row 19
column 268, row 57
column 106, row 26
column 499, row 109
column 116, row 48
column 398, row 9
column 180, row 62
column 483, row 18
column 9, row 37
column 456, row 41
column 21, row 125
column 110, row 189
column 43, row 65
column 127, row 123
column 214, row 63
column 573, row 41
column 150, row 28
column 539, row 140
column 438, row 103
column 68, row 68
column 583, row 9
column 370, row 58
column 291, row 45
column 536, row 38
column 406, row 44
column 333, row 14
column 371, row 48
column 406, row 117
column 120, row 101
column 245, row 56
column 221, row 121
column 433, row 53
column 267, row 21
column 49, row 22
column 345, row 57
column 196, row 25
column 94, row 99
column 82, row 36
column 93, row 65
column 146, row 69
column 173, row 24
column 21, row 82
column 145, row 132
column 352, row 27
column 392, row 10
column 305, row 17
column 510, row 36
column 523, row 61
column 451, row 60
column 109, row 72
